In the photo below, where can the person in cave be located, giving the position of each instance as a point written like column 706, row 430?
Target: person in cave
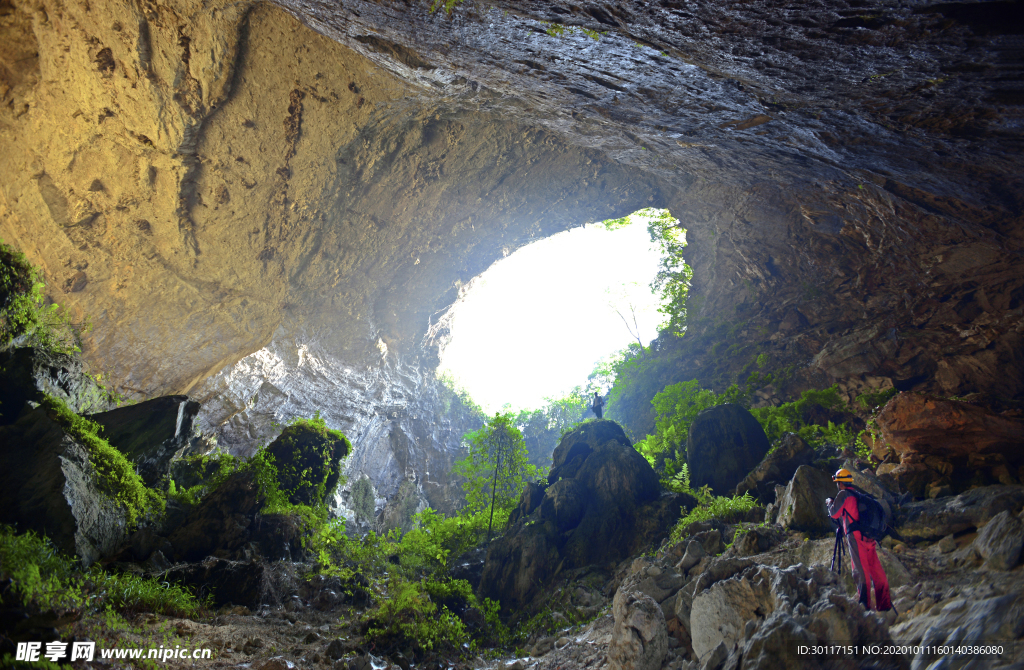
column 598, row 406
column 864, row 563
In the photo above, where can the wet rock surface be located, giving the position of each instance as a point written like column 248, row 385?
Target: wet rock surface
column 151, row 432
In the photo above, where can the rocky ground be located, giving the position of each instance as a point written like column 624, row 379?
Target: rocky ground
column 729, row 609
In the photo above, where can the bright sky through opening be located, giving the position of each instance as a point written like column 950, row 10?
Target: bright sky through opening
column 535, row 324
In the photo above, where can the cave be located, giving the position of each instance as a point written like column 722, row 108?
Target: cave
column 271, row 207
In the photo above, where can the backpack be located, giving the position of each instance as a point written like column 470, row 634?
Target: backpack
column 874, row 522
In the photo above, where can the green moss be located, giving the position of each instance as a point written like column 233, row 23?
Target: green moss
column 116, row 477
column 308, row 457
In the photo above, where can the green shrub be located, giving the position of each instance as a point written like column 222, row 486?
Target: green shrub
column 39, row 574
column 43, row 578
column 116, row 477
column 24, row 312
column 876, row 400
column 410, row 619
column 717, row 507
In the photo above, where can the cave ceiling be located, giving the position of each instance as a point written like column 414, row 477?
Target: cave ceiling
column 242, row 192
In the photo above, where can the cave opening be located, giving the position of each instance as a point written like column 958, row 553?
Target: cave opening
column 538, row 322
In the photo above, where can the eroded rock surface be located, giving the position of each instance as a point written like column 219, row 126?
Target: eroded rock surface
column 209, row 181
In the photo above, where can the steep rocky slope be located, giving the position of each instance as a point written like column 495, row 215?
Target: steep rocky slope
column 216, row 181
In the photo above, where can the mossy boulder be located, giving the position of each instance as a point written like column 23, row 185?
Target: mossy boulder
column 725, row 443
column 308, row 457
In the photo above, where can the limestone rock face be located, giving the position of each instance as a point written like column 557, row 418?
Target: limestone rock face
column 26, row 373
column 946, row 442
column 802, row 507
column 149, row 433
column 215, row 181
column 934, row 519
column 48, row 485
column 639, row 638
column 725, row 443
column 778, row 467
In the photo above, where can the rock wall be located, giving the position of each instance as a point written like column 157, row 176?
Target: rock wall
column 219, row 184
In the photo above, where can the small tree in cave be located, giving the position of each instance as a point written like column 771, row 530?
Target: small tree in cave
column 363, row 503
column 496, row 468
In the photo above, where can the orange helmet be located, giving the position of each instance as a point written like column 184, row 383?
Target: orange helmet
column 843, row 475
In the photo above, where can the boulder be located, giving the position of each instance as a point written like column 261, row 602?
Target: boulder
column 949, row 442
column 603, row 504
column 802, row 506
column 308, row 457
column 26, row 373
column 49, row 485
column 724, row 444
column 640, row 636
column 223, row 522
column 961, row 623
column 999, row 543
column 149, row 433
column 778, row 467
column 764, row 613
column 756, row 541
column 934, row 519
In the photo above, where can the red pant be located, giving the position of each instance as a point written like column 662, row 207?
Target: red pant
column 868, row 572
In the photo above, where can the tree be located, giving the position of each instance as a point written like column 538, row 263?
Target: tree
column 496, row 468
column 362, row 498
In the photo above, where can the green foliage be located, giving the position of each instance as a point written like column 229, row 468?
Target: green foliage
column 677, row 407
column 24, row 312
column 542, row 428
column 308, row 456
column 713, row 507
column 496, row 469
column 43, row 578
column 796, row 417
column 115, row 475
column 455, row 399
column 876, row 400
column 38, row 573
column 211, row 470
column 410, row 618
column 130, row 594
